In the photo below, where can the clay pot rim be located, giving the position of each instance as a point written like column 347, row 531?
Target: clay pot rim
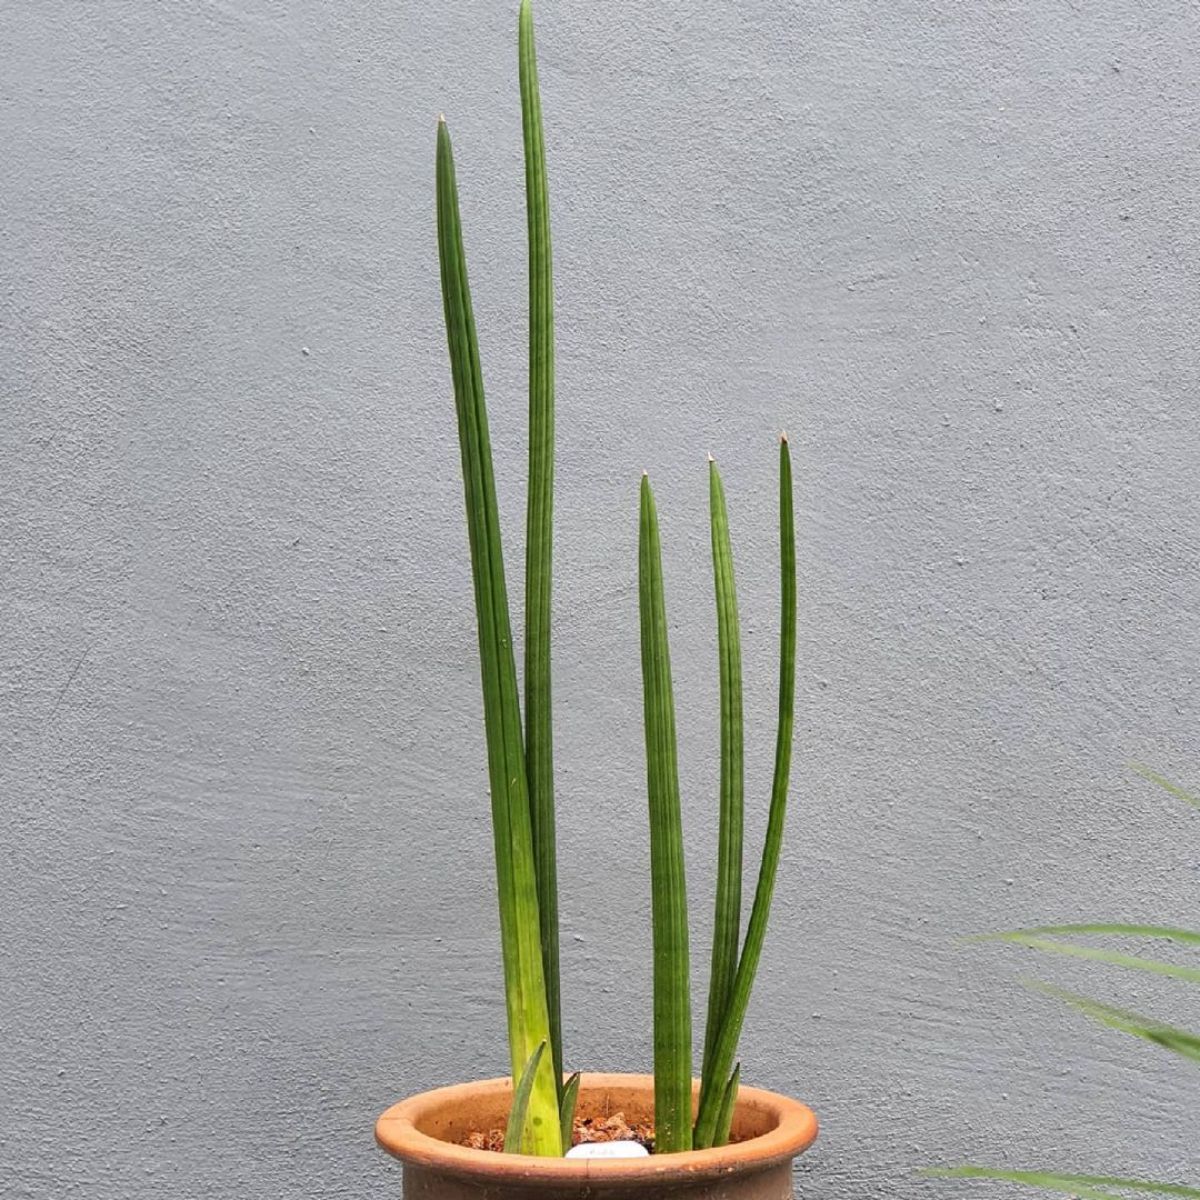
column 396, row 1132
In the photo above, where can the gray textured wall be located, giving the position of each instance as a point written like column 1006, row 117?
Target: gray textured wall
column 952, row 248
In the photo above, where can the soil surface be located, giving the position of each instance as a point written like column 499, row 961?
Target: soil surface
column 587, row 1129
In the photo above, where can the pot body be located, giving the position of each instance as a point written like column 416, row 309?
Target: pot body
column 425, row 1132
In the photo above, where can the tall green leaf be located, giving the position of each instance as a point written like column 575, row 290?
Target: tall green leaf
column 756, row 930
column 727, row 917
column 519, row 1113
column 672, row 1004
column 525, row 992
column 539, row 528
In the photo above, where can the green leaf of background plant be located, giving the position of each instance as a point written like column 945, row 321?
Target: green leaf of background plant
column 1166, row 784
column 519, row 1111
column 1080, row 1185
column 672, row 1004
column 1169, row 932
column 1178, row 1041
column 1097, row 954
column 539, row 529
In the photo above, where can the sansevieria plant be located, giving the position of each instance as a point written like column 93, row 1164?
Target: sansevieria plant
column 520, row 742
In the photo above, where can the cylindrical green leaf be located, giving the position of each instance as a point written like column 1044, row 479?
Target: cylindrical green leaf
column 672, row 1002
column 539, row 527
column 756, row 929
column 525, row 992
column 566, row 1109
column 728, row 1106
column 728, row 910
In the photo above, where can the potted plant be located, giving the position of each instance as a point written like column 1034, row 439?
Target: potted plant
column 707, row 1135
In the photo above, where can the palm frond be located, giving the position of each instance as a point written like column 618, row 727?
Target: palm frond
column 1100, row 1186
column 1166, row 785
column 1178, row 1041
column 1097, row 954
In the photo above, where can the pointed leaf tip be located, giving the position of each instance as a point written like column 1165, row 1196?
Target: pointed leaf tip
column 783, row 437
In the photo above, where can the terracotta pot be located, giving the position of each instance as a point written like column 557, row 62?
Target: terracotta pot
column 425, row 1133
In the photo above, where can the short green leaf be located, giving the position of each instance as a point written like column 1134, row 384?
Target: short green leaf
column 728, row 1105
column 515, row 1131
column 566, row 1110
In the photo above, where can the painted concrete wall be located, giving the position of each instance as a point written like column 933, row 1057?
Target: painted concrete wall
column 952, row 248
